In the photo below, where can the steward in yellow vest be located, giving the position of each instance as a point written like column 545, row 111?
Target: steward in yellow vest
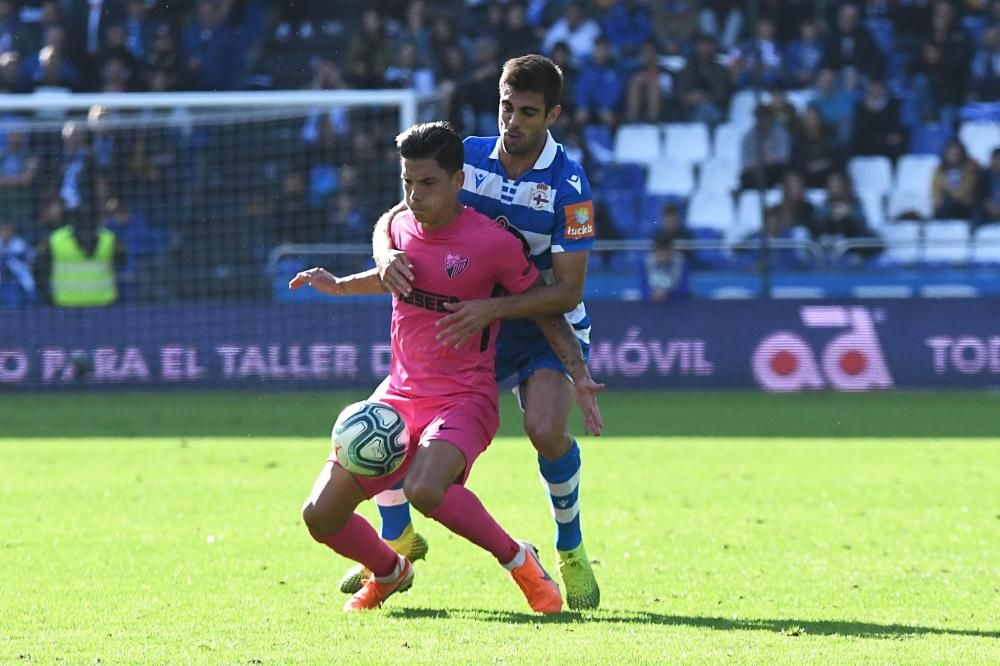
column 80, row 278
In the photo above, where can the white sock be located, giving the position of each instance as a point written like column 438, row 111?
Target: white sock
column 518, row 559
column 395, row 572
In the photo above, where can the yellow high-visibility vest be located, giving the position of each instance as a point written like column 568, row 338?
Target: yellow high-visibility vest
column 79, row 280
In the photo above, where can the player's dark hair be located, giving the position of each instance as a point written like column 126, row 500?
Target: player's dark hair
column 437, row 141
column 534, row 73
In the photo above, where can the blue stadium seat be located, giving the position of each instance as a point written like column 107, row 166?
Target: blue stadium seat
column 652, row 211
column 622, row 207
column 713, row 258
column 929, row 138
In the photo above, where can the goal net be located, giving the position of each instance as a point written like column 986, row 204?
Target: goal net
column 213, row 202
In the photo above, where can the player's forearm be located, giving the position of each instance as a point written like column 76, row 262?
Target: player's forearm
column 542, row 301
column 381, row 240
column 361, row 284
column 564, row 343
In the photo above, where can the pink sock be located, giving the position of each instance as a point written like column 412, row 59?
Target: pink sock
column 463, row 513
column 358, row 541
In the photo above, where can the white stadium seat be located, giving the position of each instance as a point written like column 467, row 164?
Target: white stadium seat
column 711, row 210
column 670, row 177
column 980, row 138
column 946, row 241
column 719, row 175
column 916, row 172
column 986, row 244
column 873, row 205
column 638, row 143
column 911, row 200
column 687, row 142
column 902, row 242
column 728, row 143
column 870, row 173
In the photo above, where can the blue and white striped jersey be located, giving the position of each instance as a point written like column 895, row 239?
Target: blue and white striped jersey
column 550, row 206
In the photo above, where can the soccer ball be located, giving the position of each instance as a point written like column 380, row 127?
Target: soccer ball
column 370, row 439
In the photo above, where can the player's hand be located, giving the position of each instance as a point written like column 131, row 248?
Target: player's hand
column 320, row 280
column 396, row 272
column 467, row 319
column 586, row 391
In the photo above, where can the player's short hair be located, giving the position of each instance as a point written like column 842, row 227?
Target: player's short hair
column 437, row 141
column 534, row 73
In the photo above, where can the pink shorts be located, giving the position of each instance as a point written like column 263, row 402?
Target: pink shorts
column 468, row 422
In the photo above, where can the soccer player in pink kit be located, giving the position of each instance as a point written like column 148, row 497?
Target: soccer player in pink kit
column 447, row 396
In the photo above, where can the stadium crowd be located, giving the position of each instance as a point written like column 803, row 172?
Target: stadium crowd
column 862, row 123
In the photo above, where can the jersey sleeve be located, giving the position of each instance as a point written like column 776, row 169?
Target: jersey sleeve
column 513, row 270
column 574, row 208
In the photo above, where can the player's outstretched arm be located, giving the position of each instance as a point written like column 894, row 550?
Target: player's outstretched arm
column 394, row 268
column 468, row 318
column 320, row 279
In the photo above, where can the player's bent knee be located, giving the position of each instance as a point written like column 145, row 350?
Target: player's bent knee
column 319, row 523
column 425, row 496
column 548, row 435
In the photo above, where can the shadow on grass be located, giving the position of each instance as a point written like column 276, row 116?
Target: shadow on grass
column 789, row 626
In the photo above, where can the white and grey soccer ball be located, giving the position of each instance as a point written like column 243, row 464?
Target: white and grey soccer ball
column 370, row 439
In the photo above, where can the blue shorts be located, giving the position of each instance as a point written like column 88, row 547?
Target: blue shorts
column 521, row 358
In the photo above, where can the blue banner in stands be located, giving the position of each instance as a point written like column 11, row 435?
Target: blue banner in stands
column 771, row 345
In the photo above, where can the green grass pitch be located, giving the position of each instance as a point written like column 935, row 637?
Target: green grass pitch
column 816, row 529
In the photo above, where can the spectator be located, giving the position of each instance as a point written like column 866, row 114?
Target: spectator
column 911, row 21
column 296, row 18
column 142, row 241
column 51, row 216
column 842, row 218
column 14, row 35
column 574, row 28
column 480, row 95
column 77, row 262
column 743, row 65
column 600, row 87
column 877, row 127
column 779, row 258
column 52, row 73
column 628, row 26
column 87, row 23
column 297, row 220
column 935, row 86
column 516, row 37
column 370, row 43
column 443, row 37
column 796, row 212
column 989, row 191
column 836, row 104
column 409, row 72
column 671, row 222
column 703, row 85
column 775, row 150
column 562, row 57
column 348, row 223
column 11, row 76
column 953, row 187
column 648, row 87
column 675, row 22
column 985, row 68
column 165, row 57
column 18, row 174
column 803, row 57
column 215, row 58
column 723, row 20
column 815, row 153
column 666, row 271
column 849, row 44
column 139, row 30
column 17, row 284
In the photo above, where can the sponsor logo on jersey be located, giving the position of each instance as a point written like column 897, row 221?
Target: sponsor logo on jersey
column 429, row 300
column 579, row 220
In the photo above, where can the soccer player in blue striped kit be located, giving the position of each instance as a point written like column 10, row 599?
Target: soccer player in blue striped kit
column 525, row 180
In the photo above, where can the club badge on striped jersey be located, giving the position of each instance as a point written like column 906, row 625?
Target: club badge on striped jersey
column 454, row 264
column 540, row 196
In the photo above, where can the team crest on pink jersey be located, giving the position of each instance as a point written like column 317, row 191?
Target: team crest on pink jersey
column 454, row 264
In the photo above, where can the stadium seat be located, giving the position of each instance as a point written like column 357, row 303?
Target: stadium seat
column 687, row 142
column 909, row 202
column 728, row 142
column 980, row 138
column 946, row 242
column 873, row 205
column 986, row 244
column 816, row 196
column 801, row 99
column 670, row 177
column 638, row 143
column 710, row 210
column 715, row 257
column 719, row 175
column 915, row 172
column 929, row 138
column 622, row 207
column 742, row 105
column 748, row 215
column 652, row 211
column 599, row 142
column 871, row 174
column 902, row 243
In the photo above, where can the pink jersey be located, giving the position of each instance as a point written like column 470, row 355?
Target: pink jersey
column 472, row 257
